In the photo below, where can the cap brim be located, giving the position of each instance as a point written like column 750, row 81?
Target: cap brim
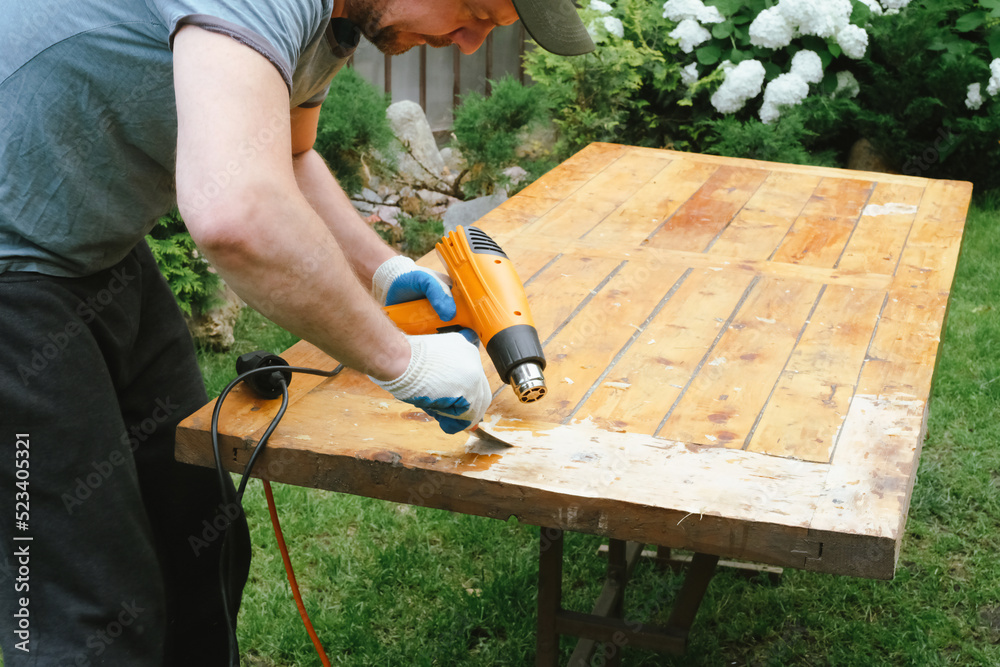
column 555, row 26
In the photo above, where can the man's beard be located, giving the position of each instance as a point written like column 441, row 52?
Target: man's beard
column 367, row 15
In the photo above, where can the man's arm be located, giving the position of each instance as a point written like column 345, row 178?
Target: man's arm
column 366, row 250
column 238, row 193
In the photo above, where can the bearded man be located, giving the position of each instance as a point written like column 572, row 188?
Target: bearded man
column 111, row 113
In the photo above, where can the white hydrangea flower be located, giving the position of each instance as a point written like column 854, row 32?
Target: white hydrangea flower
column 771, row 30
column 742, row 83
column 974, row 99
column 689, row 74
column 784, row 90
column 993, row 87
column 600, row 6
column 614, row 26
column 847, row 84
column 894, row 6
column 808, row 66
column 690, row 34
column 679, row 10
column 822, row 19
column 853, row 40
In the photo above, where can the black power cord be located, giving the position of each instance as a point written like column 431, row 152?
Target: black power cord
column 260, row 370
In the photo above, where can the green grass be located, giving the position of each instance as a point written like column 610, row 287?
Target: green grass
column 390, row 584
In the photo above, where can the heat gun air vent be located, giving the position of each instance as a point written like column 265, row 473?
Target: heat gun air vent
column 481, row 243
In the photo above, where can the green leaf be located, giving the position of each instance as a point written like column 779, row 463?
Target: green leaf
column 970, row 21
column 722, row 30
column 993, row 43
column 708, row 54
column 736, row 56
column 861, row 13
column 726, row 7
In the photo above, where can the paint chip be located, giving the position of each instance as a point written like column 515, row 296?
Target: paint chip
column 889, row 209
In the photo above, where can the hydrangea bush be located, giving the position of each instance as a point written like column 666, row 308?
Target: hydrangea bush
column 919, row 78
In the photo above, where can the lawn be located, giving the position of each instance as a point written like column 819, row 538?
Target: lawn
column 391, row 584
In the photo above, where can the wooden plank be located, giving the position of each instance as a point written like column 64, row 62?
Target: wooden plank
column 580, row 352
column 882, row 229
column 243, row 411
column 706, row 213
column 698, row 260
column 765, row 219
column 566, row 178
column 873, row 469
column 826, row 172
column 910, row 329
column 931, row 253
column 820, row 377
column 563, row 287
column 723, row 401
column 639, row 390
column 574, row 477
column 815, row 240
column 599, row 197
column 839, row 197
column 653, row 203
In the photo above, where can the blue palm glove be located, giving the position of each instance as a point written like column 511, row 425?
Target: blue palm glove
column 399, row 280
column 445, row 379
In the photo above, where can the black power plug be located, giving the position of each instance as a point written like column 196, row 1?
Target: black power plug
column 265, row 385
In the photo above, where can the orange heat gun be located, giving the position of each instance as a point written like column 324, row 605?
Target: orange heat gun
column 490, row 300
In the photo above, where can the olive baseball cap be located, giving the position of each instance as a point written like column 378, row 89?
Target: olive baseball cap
column 555, row 26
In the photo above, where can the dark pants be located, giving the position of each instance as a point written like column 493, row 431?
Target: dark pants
column 103, row 559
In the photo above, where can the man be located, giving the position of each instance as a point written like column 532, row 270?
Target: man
column 110, row 112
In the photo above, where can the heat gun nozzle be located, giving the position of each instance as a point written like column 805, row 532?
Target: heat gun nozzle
column 528, row 382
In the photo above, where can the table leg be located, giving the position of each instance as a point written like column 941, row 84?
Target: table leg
column 550, row 555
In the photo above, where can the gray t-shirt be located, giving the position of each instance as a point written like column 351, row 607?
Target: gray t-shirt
column 88, row 121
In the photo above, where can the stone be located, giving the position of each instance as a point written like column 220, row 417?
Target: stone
column 213, row 328
column 865, row 157
column 453, row 160
column 422, row 163
column 516, row 174
column 431, row 197
column 466, row 213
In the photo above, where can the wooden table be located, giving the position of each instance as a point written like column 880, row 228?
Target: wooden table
column 739, row 356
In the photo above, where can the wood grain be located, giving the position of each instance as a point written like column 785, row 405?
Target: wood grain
column 739, row 361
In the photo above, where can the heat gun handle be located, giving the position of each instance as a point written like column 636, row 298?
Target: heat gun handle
column 419, row 318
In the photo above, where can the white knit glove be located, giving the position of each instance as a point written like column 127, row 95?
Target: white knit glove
column 399, row 280
column 445, row 379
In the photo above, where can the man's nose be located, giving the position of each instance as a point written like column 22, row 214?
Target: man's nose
column 472, row 36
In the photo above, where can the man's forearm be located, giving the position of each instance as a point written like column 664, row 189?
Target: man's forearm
column 364, row 249
column 280, row 258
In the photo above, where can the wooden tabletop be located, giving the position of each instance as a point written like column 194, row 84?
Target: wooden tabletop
column 739, row 358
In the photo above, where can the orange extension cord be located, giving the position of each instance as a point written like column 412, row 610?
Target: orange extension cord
column 272, row 510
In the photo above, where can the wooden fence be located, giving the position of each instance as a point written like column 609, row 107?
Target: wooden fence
column 437, row 78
